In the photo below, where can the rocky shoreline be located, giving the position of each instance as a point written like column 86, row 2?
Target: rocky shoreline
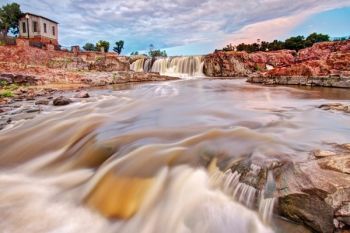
column 28, row 95
column 327, row 81
column 36, row 76
column 324, row 64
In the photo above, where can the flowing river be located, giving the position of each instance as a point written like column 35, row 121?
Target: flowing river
column 145, row 158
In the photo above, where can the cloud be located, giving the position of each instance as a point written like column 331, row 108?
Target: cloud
column 171, row 23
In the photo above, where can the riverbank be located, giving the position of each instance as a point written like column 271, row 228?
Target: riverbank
column 324, row 64
column 33, row 74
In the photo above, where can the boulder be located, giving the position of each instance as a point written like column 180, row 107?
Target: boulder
column 82, row 94
column 315, row 192
column 61, row 101
column 42, row 102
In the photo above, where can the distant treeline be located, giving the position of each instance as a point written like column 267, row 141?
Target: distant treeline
column 292, row 43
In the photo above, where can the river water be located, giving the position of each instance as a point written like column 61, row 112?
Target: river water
column 139, row 158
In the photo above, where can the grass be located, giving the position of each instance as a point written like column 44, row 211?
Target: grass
column 6, row 90
column 6, row 94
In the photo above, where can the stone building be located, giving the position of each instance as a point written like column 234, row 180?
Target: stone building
column 37, row 28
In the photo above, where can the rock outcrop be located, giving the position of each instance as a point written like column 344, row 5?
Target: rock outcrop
column 314, row 192
column 238, row 64
column 323, row 64
column 95, row 61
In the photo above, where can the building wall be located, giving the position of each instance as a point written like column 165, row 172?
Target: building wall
column 40, row 35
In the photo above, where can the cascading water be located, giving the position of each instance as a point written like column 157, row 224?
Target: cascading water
column 267, row 201
column 137, row 65
column 184, row 67
column 229, row 183
column 180, row 66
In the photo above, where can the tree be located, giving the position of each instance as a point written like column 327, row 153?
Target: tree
column 315, row 38
column 102, row 44
column 9, row 16
column 295, row 43
column 276, row 45
column 89, row 47
column 119, row 46
column 157, row 53
column 134, row 53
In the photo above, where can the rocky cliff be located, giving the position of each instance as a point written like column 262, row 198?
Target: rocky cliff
column 238, row 64
column 33, row 66
column 323, row 64
column 30, row 56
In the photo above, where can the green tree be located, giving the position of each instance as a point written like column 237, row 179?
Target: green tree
column 134, row 53
column 264, row 46
column 276, row 45
column 102, row 44
column 295, row 43
column 119, row 46
column 9, row 16
column 315, row 38
column 89, row 47
column 157, row 53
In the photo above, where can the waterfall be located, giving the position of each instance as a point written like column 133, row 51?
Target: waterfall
column 229, row 183
column 137, row 66
column 180, row 66
column 183, row 67
column 240, row 192
column 267, row 200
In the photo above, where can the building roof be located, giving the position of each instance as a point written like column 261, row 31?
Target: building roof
column 27, row 13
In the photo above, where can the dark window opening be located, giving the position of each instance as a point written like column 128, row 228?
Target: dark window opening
column 24, row 27
column 35, row 26
column 53, row 30
column 45, row 31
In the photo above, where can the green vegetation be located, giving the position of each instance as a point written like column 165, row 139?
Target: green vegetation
column 3, row 83
column 134, row 53
column 9, row 16
column 6, row 94
column 292, row 43
column 102, row 44
column 119, row 46
column 157, row 53
column 89, row 47
column 341, row 38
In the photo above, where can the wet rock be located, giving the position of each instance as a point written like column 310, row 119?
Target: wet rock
column 309, row 210
column 336, row 107
column 343, row 214
column 31, row 110
column 315, row 193
column 42, row 102
column 340, row 163
column 82, row 94
column 323, row 153
column 61, row 101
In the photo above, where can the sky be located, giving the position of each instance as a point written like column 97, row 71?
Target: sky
column 189, row 27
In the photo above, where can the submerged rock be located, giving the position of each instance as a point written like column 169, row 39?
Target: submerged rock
column 82, row 94
column 61, row 101
column 42, row 102
column 336, row 107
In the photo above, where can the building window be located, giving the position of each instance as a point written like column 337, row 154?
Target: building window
column 24, row 27
column 45, row 31
column 35, row 26
column 53, row 30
